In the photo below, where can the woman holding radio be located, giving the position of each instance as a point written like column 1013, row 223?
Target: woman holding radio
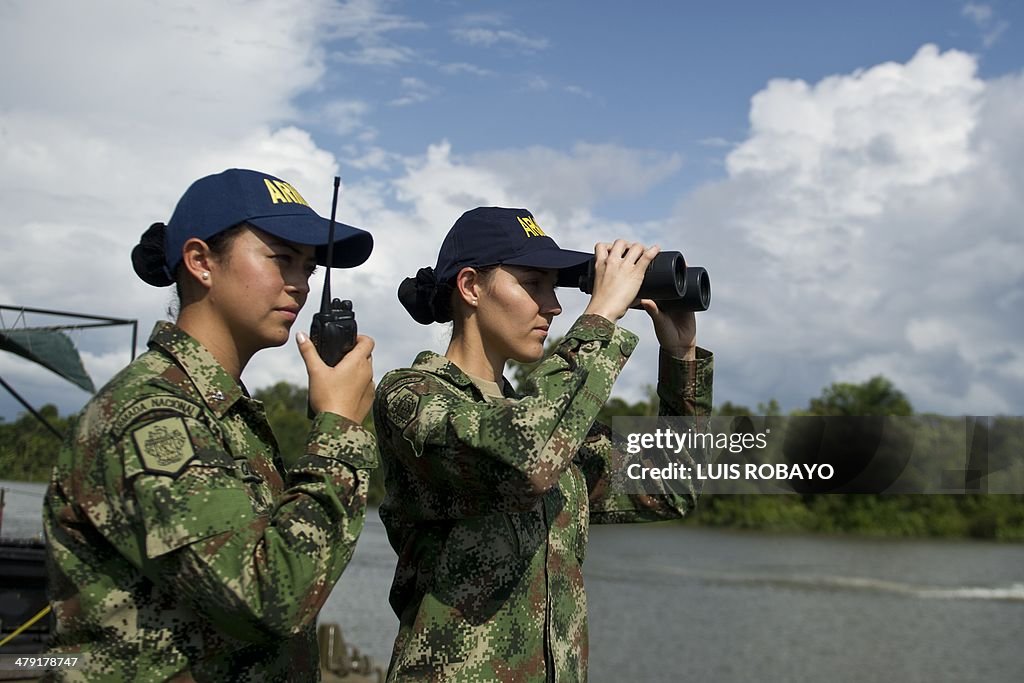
column 183, row 545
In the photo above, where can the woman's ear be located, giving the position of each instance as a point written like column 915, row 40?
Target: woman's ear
column 468, row 285
column 196, row 258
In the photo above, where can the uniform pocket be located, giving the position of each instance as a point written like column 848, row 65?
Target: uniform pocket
column 483, row 562
column 513, row 534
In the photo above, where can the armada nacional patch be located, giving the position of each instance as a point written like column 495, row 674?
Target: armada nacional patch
column 139, row 408
column 164, row 446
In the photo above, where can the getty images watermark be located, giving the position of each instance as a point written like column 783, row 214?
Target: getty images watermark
column 812, row 454
column 666, row 440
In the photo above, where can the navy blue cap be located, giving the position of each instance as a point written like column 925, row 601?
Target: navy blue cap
column 491, row 235
column 218, row 202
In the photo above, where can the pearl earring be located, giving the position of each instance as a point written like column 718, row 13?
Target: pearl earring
column 206, row 276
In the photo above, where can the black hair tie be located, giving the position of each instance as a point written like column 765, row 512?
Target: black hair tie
column 148, row 258
column 417, row 294
column 426, row 299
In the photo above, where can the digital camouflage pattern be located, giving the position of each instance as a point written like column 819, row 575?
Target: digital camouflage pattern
column 181, row 545
column 488, row 505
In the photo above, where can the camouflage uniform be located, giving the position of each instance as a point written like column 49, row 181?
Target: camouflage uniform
column 182, row 545
column 488, row 505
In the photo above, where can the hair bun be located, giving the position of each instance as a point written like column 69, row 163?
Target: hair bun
column 426, row 299
column 149, row 259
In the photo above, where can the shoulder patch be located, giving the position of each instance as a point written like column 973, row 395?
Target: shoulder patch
column 149, row 403
column 402, row 407
column 164, row 446
column 401, row 399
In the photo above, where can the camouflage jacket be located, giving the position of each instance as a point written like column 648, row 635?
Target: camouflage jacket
column 181, row 545
column 488, row 505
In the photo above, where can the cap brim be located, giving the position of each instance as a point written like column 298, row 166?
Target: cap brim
column 569, row 264
column 352, row 246
column 555, row 259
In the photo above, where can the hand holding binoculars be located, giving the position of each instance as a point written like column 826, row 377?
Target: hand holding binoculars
column 668, row 278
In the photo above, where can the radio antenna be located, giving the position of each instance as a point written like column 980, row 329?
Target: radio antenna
column 325, row 301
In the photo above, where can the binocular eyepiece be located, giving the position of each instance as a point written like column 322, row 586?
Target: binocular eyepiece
column 668, row 278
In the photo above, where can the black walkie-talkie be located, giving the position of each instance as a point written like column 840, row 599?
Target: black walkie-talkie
column 333, row 331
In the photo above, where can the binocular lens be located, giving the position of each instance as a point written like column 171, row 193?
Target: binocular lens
column 667, row 278
column 698, row 289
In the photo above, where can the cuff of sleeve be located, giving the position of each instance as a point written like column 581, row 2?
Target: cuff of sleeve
column 591, row 327
column 689, row 380
column 337, row 437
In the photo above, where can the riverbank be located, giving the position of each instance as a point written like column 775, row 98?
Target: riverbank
column 998, row 517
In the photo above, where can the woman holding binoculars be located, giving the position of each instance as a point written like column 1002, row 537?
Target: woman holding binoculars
column 490, row 492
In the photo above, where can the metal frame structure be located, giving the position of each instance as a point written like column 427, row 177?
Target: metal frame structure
column 97, row 321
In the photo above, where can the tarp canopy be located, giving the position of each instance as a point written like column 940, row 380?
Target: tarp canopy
column 50, row 348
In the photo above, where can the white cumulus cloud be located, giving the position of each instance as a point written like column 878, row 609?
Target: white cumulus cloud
column 105, row 123
column 869, row 224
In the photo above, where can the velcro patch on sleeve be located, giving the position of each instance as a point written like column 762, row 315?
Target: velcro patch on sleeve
column 164, row 446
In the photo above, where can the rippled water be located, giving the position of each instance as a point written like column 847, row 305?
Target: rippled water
column 669, row 604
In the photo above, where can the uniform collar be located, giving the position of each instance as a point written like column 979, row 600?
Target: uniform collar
column 428, row 361
column 218, row 388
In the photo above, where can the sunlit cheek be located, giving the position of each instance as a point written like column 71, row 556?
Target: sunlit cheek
column 531, row 350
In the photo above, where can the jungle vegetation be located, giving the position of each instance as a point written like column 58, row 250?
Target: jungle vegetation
column 28, row 451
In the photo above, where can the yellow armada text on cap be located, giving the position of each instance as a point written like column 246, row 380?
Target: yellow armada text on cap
column 281, row 192
column 530, row 226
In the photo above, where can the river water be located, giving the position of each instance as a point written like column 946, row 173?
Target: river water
column 671, row 603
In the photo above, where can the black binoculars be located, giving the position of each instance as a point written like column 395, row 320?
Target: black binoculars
column 668, row 278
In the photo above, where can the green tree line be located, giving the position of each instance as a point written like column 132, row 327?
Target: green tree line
column 28, row 451
column 974, row 515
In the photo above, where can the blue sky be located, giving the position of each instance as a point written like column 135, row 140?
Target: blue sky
column 673, row 79
column 850, row 173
